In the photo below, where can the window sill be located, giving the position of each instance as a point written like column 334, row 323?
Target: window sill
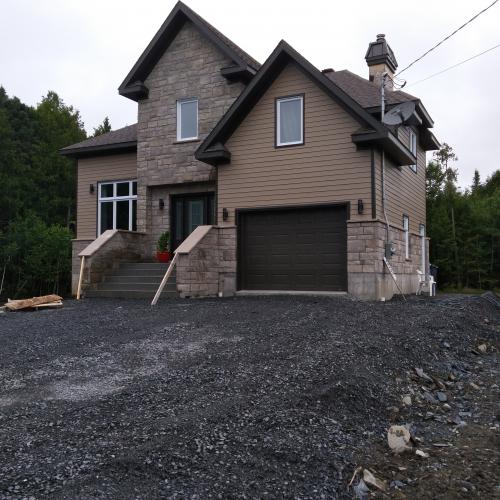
column 187, row 141
column 280, row 146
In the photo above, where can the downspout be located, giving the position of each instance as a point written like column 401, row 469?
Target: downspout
column 382, row 113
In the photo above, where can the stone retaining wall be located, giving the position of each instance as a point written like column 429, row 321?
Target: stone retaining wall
column 123, row 246
column 209, row 269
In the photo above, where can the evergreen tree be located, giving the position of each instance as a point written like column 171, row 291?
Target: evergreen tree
column 103, row 128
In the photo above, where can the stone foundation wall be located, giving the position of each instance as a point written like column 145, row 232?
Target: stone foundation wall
column 368, row 277
column 209, row 269
column 122, row 247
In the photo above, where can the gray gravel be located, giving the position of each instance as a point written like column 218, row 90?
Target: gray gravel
column 249, row 397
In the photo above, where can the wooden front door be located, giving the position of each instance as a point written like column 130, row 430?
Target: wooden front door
column 188, row 212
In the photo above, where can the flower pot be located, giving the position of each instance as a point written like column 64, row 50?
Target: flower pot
column 163, row 256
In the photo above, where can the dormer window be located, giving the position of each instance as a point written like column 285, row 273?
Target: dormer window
column 187, row 119
column 413, row 147
column 290, row 121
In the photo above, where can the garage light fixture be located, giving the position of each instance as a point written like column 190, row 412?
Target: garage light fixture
column 91, row 189
column 360, row 207
column 161, row 204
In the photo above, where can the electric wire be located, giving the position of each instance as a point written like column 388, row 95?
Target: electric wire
column 455, row 65
column 448, row 37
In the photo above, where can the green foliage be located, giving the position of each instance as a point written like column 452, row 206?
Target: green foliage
column 162, row 245
column 103, row 128
column 33, row 175
column 464, row 227
column 35, row 257
column 35, row 180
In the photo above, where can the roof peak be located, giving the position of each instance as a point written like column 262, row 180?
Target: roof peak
column 133, row 85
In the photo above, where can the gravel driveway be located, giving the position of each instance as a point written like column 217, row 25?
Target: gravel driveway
column 251, row 397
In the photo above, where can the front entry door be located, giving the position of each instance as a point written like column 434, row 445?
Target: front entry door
column 189, row 212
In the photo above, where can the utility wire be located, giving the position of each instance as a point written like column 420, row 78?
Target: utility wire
column 446, row 38
column 455, row 65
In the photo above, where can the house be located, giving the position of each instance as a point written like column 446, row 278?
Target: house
column 283, row 176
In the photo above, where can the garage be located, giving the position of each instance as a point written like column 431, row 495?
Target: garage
column 300, row 248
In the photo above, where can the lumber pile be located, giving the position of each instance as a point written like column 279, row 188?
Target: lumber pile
column 45, row 301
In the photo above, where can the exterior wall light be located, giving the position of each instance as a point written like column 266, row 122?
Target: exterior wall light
column 361, row 207
column 225, row 214
column 91, row 189
column 161, row 204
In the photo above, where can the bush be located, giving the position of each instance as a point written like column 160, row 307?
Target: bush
column 35, row 259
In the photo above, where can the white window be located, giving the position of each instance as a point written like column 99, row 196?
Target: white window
column 187, row 119
column 406, row 228
column 290, row 121
column 413, row 147
column 117, row 206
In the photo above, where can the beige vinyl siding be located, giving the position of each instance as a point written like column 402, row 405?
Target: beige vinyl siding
column 326, row 169
column 405, row 189
column 92, row 171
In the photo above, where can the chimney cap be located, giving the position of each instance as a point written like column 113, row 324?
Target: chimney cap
column 379, row 52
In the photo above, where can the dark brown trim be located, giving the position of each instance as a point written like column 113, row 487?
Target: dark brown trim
column 105, row 149
column 282, row 55
column 276, row 99
column 133, row 85
column 373, row 190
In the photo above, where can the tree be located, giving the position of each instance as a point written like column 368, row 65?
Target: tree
column 464, row 226
column 103, row 128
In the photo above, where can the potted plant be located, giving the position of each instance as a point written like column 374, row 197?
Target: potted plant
column 162, row 253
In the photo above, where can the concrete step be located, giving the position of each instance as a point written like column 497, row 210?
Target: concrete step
column 128, row 294
column 154, row 273
column 151, row 287
column 145, row 266
column 119, row 278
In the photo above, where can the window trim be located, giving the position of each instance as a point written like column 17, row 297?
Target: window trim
column 406, row 230
column 114, row 199
column 412, row 139
column 180, row 102
column 277, row 139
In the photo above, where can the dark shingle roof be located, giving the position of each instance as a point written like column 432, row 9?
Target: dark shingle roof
column 116, row 139
column 229, row 43
column 364, row 92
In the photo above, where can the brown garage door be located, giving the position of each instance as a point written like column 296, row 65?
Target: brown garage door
column 293, row 249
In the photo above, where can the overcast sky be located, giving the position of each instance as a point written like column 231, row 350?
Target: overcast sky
column 83, row 49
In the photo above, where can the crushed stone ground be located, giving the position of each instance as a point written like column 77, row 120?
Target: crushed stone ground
column 250, row 397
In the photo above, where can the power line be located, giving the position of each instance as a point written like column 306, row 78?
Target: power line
column 455, row 65
column 449, row 36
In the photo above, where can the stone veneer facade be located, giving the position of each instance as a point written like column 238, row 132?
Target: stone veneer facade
column 209, row 269
column 368, row 277
column 190, row 67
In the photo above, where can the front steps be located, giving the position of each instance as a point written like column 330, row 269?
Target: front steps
column 135, row 280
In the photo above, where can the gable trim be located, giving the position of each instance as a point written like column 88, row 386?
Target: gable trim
column 282, row 55
column 133, row 85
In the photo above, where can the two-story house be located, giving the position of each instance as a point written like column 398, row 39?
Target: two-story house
column 287, row 173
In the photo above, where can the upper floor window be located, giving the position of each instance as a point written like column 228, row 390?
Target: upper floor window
column 290, row 121
column 413, row 147
column 117, row 206
column 187, row 119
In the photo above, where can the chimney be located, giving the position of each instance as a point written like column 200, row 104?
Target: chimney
column 380, row 59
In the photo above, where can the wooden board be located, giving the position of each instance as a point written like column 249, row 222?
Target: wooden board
column 15, row 305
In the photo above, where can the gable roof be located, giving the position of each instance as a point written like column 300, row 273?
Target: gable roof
column 374, row 132
column 120, row 140
column 133, row 86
